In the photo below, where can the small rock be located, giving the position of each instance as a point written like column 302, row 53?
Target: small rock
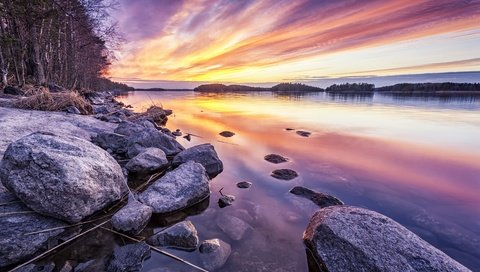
column 88, row 266
column 188, row 137
column 132, row 218
column 289, row 129
column 182, row 235
column 178, row 189
column 204, row 154
column 129, row 258
column 225, row 200
column 275, row 158
column 226, row 134
column 233, row 226
column 284, row 174
column 244, row 184
column 320, row 199
column 67, row 267
column 54, row 88
column 303, row 133
column 73, row 110
column 177, row 133
column 102, row 109
column 214, row 253
column 150, row 160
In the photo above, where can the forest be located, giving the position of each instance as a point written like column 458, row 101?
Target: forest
column 65, row 42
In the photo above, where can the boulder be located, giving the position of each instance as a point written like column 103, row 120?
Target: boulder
column 275, row 158
column 112, row 142
column 154, row 138
column 129, row 258
column 204, row 154
column 178, row 189
column 150, row 160
column 61, row 176
column 214, row 253
column 132, row 218
column 127, row 128
column 346, row 238
column 182, row 235
column 233, row 226
column 284, row 174
column 320, row 199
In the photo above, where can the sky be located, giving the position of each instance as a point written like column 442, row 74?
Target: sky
column 184, row 43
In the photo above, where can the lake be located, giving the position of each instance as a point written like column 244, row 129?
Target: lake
column 414, row 159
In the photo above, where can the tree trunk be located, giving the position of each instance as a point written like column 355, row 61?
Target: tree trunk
column 36, row 56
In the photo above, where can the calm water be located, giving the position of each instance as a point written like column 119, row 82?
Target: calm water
column 416, row 160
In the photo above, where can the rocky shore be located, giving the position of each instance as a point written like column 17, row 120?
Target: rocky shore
column 64, row 174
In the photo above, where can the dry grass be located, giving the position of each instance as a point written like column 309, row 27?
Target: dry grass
column 30, row 90
column 46, row 101
column 155, row 113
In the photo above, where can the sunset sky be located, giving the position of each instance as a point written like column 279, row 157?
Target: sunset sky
column 170, row 43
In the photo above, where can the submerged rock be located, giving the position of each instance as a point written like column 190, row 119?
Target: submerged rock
column 225, row 200
column 244, row 184
column 204, row 154
column 61, row 176
column 178, row 189
column 303, row 133
column 132, row 218
column 182, row 235
column 345, row 238
column 227, row 134
column 284, row 174
column 214, row 253
column 275, row 158
column 233, row 226
column 150, row 160
column 320, row 199
column 129, row 258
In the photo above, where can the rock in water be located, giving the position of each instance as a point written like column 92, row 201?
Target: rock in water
column 150, row 160
column 275, row 158
column 320, row 199
column 129, row 258
column 183, row 187
column 227, row 134
column 303, row 133
column 61, row 176
column 154, row 138
column 233, row 226
column 214, row 253
column 132, row 218
column 244, row 184
column 204, row 154
column 226, row 200
column 182, row 235
column 284, row 174
column 345, row 238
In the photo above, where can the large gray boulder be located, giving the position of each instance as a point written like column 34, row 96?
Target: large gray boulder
column 61, row 176
column 150, row 160
column 204, row 154
column 346, row 238
column 214, row 253
column 151, row 137
column 182, row 235
column 132, row 218
column 178, row 189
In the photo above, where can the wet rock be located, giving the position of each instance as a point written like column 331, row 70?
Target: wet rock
column 320, row 199
column 73, row 110
column 177, row 133
column 48, row 267
column 150, row 160
column 233, row 226
column 244, row 184
column 12, row 90
column 225, row 200
column 154, row 138
column 178, row 189
column 303, row 133
column 182, row 235
column 61, row 176
column 275, row 158
column 227, row 134
column 132, row 218
column 188, row 137
column 284, row 174
column 204, row 154
column 345, row 238
column 129, row 258
column 112, row 142
column 214, row 253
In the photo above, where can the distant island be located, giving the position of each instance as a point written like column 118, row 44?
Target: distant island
column 352, row 88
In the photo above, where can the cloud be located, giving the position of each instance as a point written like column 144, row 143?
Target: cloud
column 208, row 40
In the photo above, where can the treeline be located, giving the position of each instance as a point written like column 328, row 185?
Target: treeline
column 282, row 87
column 351, row 87
column 430, row 87
column 66, row 42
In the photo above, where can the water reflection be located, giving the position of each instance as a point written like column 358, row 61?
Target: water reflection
column 413, row 160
